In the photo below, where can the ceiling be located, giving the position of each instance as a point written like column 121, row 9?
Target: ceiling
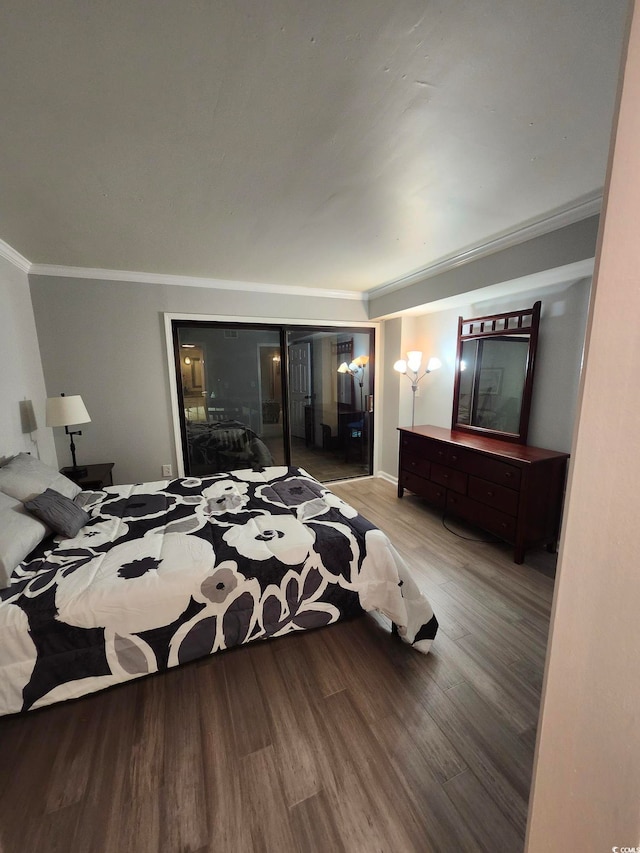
column 341, row 144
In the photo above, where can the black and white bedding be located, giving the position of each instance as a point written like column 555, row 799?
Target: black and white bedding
column 164, row 573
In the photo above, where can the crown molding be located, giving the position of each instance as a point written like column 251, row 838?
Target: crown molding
column 569, row 215
column 588, row 206
column 189, row 281
column 9, row 253
column 555, row 279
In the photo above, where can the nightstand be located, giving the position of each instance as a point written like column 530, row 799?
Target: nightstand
column 96, row 476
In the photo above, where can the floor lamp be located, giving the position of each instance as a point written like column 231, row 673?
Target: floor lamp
column 412, row 365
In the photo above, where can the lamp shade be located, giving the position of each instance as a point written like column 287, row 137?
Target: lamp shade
column 414, row 360
column 344, row 368
column 27, row 416
column 361, row 361
column 64, row 411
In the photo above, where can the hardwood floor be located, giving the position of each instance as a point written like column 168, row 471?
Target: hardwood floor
column 341, row 739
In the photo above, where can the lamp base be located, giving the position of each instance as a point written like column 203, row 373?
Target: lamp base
column 74, row 473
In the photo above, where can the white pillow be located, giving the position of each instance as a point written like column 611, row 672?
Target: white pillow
column 24, row 477
column 19, row 534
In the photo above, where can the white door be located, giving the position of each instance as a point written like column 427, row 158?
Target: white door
column 299, row 386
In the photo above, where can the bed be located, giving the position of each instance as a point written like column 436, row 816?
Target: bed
column 160, row 574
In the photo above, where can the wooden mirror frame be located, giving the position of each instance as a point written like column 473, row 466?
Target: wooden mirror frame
column 511, row 323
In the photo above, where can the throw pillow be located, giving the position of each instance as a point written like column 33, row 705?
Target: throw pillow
column 58, row 512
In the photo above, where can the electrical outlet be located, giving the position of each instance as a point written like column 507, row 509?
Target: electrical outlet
column 166, row 471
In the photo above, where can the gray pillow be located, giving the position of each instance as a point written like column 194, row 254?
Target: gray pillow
column 24, row 477
column 19, row 534
column 60, row 513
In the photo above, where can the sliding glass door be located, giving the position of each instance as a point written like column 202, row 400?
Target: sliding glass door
column 254, row 395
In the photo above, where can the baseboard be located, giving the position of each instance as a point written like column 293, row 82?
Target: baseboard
column 381, row 475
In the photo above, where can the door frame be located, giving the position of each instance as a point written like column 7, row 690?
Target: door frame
column 169, row 316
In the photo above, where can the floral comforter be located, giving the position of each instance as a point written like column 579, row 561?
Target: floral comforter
column 168, row 572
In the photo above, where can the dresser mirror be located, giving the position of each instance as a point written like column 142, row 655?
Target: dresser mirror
column 494, row 374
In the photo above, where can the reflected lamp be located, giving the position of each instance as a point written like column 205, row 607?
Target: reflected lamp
column 356, row 369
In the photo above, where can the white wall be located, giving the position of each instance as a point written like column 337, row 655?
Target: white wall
column 105, row 340
column 21, row 377
column 587, row 778
column 557, row 371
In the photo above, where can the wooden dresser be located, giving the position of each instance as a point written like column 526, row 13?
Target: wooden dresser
column 511, row 490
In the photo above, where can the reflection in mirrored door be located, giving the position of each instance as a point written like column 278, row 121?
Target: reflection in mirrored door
column 230, row 393
column 330, row 374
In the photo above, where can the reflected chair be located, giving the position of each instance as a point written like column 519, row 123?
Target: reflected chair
column 356, row 436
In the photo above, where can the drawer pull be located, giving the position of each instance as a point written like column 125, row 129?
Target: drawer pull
column 454, row 458
column 441, row 453
column 508, row 475
column 489, row 493
column 445, row 476
column 504, row 525
column 413, row 464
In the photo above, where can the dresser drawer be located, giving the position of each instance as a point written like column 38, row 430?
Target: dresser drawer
column 424, row 448
column 413, row 444
column 497, row 522
column 434, row 493
column 446, row 454
column 449, row 477
column 492, row 494
column 415, row 464
column 493, row 469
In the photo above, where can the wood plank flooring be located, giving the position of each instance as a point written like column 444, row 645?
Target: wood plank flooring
column 341, row 739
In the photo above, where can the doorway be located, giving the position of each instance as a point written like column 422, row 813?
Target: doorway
column 251, row 395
